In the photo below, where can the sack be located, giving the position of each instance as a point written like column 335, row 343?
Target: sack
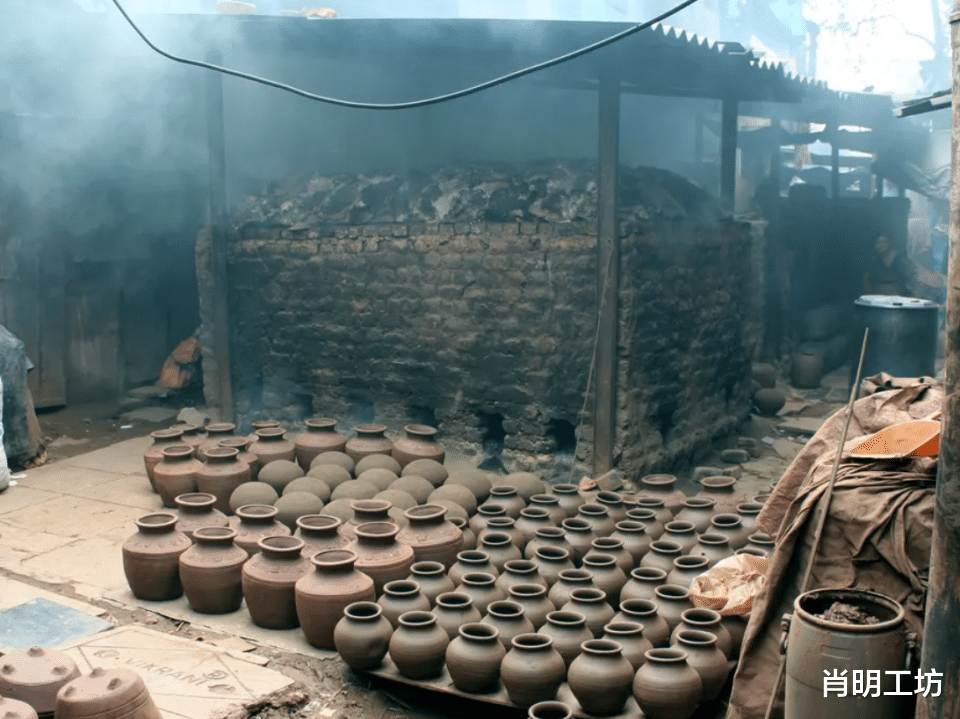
column 730, row 586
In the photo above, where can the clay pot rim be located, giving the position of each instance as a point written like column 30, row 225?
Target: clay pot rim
column 520, row 566
column 641, row 514
column 157, row 521
column 551, row 709
column 233, row 442
column 552, row 532
column 503, row 521
column 195, row 500
column 473, row 555
column 496, row 539
column 691, row 561
column 427, row 567
column 270, row 434
column 608, row 496
column 765, row 495
column 528, row 590
column 530, row 641
column 168, row 433
column 506, row 609
column 177, row 451
column 264, row 424
column 221, row 452
column 666, row 546
column 601, row 647
column 718, row 481
column 188, row 428
column 703, row 616
column 624, row 628
column 310, row 522
column 575, row 575
column 648, row 574
column 535, row 513
column 479, row 632
column 714, row 538
column 753, row 552
column 696, row 638
column 553, row 554
column 679, row 526
column 458, row 522
column 503, row 490
column 417, row 619
column 631, row 526
column 420, row 430
column 479, row 579
column 750, row 508
column 566, row 618
column 215, row 535
column 600, row 560
column 320, row 423
column 672, row 592
column 594, row 509
column 425, row 513
column 401, row 587
column 282, row 544
column 494, row 510
column 369, row 505
column 665, row 655
column 726, row 520
column 609, row 542
column 334, row 559
column 576, row 525
column 638, row 606
column 363, row 611
column 658, row 480
column 566, row 488
column 217, row 427
column 648, row 502
column 762, row 538
column 544, row 498
column 377, row 530
column 699, row 503
column 852, row 596
column 454, row 600
column 370, row 429
column 257, row 512
column 591, row 595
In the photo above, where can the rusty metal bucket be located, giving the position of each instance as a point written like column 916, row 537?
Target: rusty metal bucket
column 814, row 645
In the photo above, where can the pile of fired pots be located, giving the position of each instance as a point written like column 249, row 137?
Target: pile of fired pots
column 500, row 583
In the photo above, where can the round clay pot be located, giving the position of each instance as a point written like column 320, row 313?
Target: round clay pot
column 176, row 473
column 686, row 569
column 456, row 493
column 736, row 627
column 248, row 458
column 332, row 475
column 293, row 505
column 806, row 370
column 698, row 511
column 567, row 581
column 196, row 510
column 369, row 439
column 355, row 489
column 380, row 478
column 380, row 555
column 13, row 709
column 478, row 522
column 722, row 490
column 508, row 498
column 509, row 619
column 550, row 710
column 473, row 479
column 642, row 582
column 591, row 603
column 252, row 493
column 498, row 548
column 364, row 511
column 397, row 497
column 193, row 435
column 629, row 635
column 533, row 598
column 481, row 588
column 731, row 527
column 418, row 646
column 469, row 538
column 428, row 469
column 362, row 636
column 453, row 610
column 601, row 678
column 216, row 433
column 317, row 487
column 551, row 561
column 527, row 484
column 761, row 541
column 748, row 512
column 551, row 503
column 598, row 517
column 472, row 560
column 645, row 612
column 399, row 597
column 432, row 537
column 683, row 533
column 519, row 571
column 764, row 374
column 337, row 459
column 378, row 461
column 117, row 693
column 474, row 656
column 666, row 687
column 613, row 547
column 569, row 498
column 607, row 575
column 504, row 525
column 221, row 474
column 432, row 580
column 705, row 620
column 649, row 516
column 210, row 571
column 546, row 537
column 418, row 444
column 321, row 436
column 661, row 486
column 769, row 401
column 708, row 661
column 319, row 532
column 614, row 504
column 162, row 438
column 568, row 630
column 261, row 424
column 531, row 519
column 322, row 596
column 672, row 601
column 278, row 473
column 35, row 676
column 151, row 558
column 269, row 579
column 579, row 535
column 532, row 670
column 714, row 546
column 661, row 555
column 270, row 446
column 636, row 542
column 254, row 522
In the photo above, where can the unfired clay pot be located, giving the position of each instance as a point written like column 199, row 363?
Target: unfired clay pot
column 216, row 433
column 532, row 670
column 269, row 578
column 246, row 457
column 645, row 612
column 629, row 635
column 481, row 588
column 399, row 597
column 253, row 522
column 569, row 496
column 369, row 439
column 567, row 581
column 592, row 604
column 474, row 656
column 418, row 444
column 418, row 646
column 151, row 558
column 568, row 630
column 661, row 486
column 666, row 686
column 453, row 610
column 432, row 578
column 319, row 532
column 271, row 445
column 601, row 678
column 196, row 510
column 176, row 473
column 35, row 676
column 362, row 636
column 221, row 474
column 321, row 596
column 161, row 438
column 708, row 661
column 472, row 560
column 210, row 571
column 642, row 582
column 321, row 436
column 379, row 555
column 509, row 619
column 431, row 536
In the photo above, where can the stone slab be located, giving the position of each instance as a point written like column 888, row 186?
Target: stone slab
column 62, row 477
column 18, row 496
column 151, row 414
column 187, row 679
column 44, row 623
column 13, row 592
column 805, row 426
column 69, row 516
column 767, row 468
column 787, row 449
column 131, row 490
column 94, row 566
column 121, row 458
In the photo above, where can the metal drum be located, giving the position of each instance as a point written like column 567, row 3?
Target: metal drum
column 903, row 335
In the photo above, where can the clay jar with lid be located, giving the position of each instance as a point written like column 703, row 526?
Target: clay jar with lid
column 601, row 678
column 698, row 511
column 362, row 636
column 196, row 510
column 254, row 522
column 210, row 571
column 117, row 693
column 568, row 630
column 176, row 473
column 151, row 558
column 721, row 489
column 369, row 439
column 321, row 436
column 453, row 610
column 420, row 443
column 474, row 656
column 270, row 445
column 35, row 675
column 269, row 578
column 221, row 474
column 666, row 686
column 532, row 670
column 432, row 579
column 321, row 596
column 418, row 645
column 431, row 536
column 319, row 532
column 216, row 433
column 161, row 438
column 661, row 486
column 245, row 456
column 379, row 555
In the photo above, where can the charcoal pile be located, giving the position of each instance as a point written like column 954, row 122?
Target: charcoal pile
column 556, row 192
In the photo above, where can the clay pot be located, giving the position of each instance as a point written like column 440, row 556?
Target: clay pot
column 629, row 635
column 162, row 438
column 498, row 548
column 252, row 493
column 636, row 542
column 117, row 693
column 661, row 555
column 601, row 678
column 567, row 581
column 362, row 636
column 731, row 527
column 196, row 510
column 379, row 477
column 708, row 661
column 533, row 599
column 456, row 493
column 13, row 709
column 507, row 497
column 321, row 436
column 666, row 687
column 269, row 579
column 369, row 439
column 430, row 470
column 551, row 561
column 683, row 533
column 432, row 580
column 261, row 424
column 254, row 522
column 546, row 537
column 569, row 498
column 607, row 575
column 332, row 475
column 509, row 619
column 531, row 519
column 472, row 560
column 748, row 512
column 216, row 433
column 714, row 546
column 322, row 596
column 175, row 473
column 473, row 657
column 380, row 555
column 686, row 569
column 418, row 646
column 270, row 446
column 151, row 558
column 336, row 459
column 475, row 480
column 35, row 676
column 532, row 670
column 248, row 458
column 736, row 627
column 453, row 610
column 769, row 401
column 278, row 473
column 614, row 504
column 210, row 571
column 568, row 630
column 503, row 525
column 579, row 535
column 485, row 512
column 672, row 601
column 418, row 444
column 355, row 489
column 648, row 517
column 469, row 538
column 761, row 541
column 401, row 596
column 551, row 503
column 645, row 612
column 431, row 536
column 481, row 588
column 642, row 582
column 698, row 511
column 364, row 511
column 378, row 462
column 598, row 517
column 592, row 604
column 319, row 533
column 705, row 620
column 722, row 490
column 221, row 474
column 806, row 370
column 613, row 547
column 550, row 710
column 661, row 486
column 397, row 497
column 520, row 571
column 193, row 436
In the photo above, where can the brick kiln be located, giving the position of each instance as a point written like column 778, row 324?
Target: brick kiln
column 466, row 299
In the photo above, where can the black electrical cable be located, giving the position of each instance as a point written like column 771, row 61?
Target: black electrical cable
column 414, row 103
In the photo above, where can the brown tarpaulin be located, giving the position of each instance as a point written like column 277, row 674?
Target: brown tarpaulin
column 876, row 537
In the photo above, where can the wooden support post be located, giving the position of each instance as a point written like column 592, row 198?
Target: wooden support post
column 218, row 237
column 608, row 274
column 728, row 154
